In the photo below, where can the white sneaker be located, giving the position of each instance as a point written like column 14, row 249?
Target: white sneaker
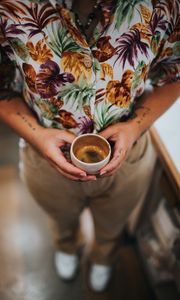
column 66, row 265
column 99, row 277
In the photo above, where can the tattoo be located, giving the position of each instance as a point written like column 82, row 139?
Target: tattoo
column 143, row 115
column 6, row 95
column 26, row 121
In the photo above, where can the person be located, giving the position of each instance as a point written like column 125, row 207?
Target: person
column 73, row 67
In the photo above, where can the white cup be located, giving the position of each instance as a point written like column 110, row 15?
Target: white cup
column 90, row 140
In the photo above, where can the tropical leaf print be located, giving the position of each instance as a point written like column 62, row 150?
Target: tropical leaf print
column 76, row 95
column 77, row 63
column 49, row 79
column 145, row 13
column 85, row 125
column 128, row 47
column 171, row 8
column 66, row 119
column 37, row 17
column 100, row 95
column 39, row 52
column 125, row 11
column 139, row 78
column 47, row 109
column 150, row 30
column 11, row 9
column 105, row 114
column 106, row 71
column 157, row 23
column 9, row 30
column 104, row 49
column 165, row 71
column 85, row 86
column 119, row 92
column 59, row 40
column 20, row 48
column 30, row 77
column 68, row 23
column 176, row 49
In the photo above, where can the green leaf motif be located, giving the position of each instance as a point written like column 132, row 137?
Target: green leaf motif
column 20, row 49
column 59, row 40
column 106, row 114
column 76, row 95
column 136, row 81
column 176, row 49
column 155, row 43
column 125, row 11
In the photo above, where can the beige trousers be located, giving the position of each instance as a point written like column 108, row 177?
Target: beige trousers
column 110, row 199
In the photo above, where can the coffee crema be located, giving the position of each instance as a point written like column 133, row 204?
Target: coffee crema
column 90, row 154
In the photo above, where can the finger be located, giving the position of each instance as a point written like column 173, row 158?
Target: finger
column 68, row 136
column 65, row 166
column 112, row 172
column 118, row 156
column 106, row 133
column 114, row 163
column 70, row 176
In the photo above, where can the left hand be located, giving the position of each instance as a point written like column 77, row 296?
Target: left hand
column 124, row 135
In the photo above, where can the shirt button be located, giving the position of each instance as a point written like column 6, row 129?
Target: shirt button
column 87, row 61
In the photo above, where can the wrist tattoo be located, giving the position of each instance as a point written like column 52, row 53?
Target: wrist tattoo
column 26, row 121
column 6, row 95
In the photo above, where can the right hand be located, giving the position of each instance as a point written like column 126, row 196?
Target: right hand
column 48, row 144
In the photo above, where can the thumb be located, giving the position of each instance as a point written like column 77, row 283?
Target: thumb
column 118, row 149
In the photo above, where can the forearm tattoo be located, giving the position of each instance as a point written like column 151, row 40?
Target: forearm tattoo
column 6, row 95
column 142, row 116
column 26, row 121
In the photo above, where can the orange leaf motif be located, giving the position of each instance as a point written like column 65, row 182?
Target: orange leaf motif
column 104, row 49
column 30, row 76
column 67, row 20
column 119, row 92
column 146, row 14
column 66, row 119
column 144, row 31
column 77, row 64
column 40, row 52
column 106, row 70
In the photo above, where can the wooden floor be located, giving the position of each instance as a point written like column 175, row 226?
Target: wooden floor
column 26, row 249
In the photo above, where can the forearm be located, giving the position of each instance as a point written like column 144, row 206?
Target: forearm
column 15, row 113
column 152, row 105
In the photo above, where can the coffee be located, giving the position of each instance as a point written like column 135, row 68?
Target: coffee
column 90, row 154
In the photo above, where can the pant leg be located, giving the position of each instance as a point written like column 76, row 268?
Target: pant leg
column 111, row 207
column 59, row 197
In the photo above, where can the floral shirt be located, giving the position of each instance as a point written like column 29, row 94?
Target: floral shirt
column 84, row 86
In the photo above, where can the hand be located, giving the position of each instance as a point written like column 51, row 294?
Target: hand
column 48, row 144
column 124, row 136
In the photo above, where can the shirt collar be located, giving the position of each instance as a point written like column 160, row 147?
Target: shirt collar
column 106, row 5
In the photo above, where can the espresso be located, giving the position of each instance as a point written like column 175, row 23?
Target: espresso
column 90, row 154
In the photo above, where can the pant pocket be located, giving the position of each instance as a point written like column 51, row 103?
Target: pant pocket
column 139, row 153
column 28, row 156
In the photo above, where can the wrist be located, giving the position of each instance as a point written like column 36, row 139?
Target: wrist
column 136, row 128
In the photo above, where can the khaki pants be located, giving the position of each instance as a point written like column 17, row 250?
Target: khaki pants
column 110, row 199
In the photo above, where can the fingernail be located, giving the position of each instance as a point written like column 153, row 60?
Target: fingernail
column 103, row 172
column 83, row 174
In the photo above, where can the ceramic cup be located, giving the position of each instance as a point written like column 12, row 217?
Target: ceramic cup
column 90, row 152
